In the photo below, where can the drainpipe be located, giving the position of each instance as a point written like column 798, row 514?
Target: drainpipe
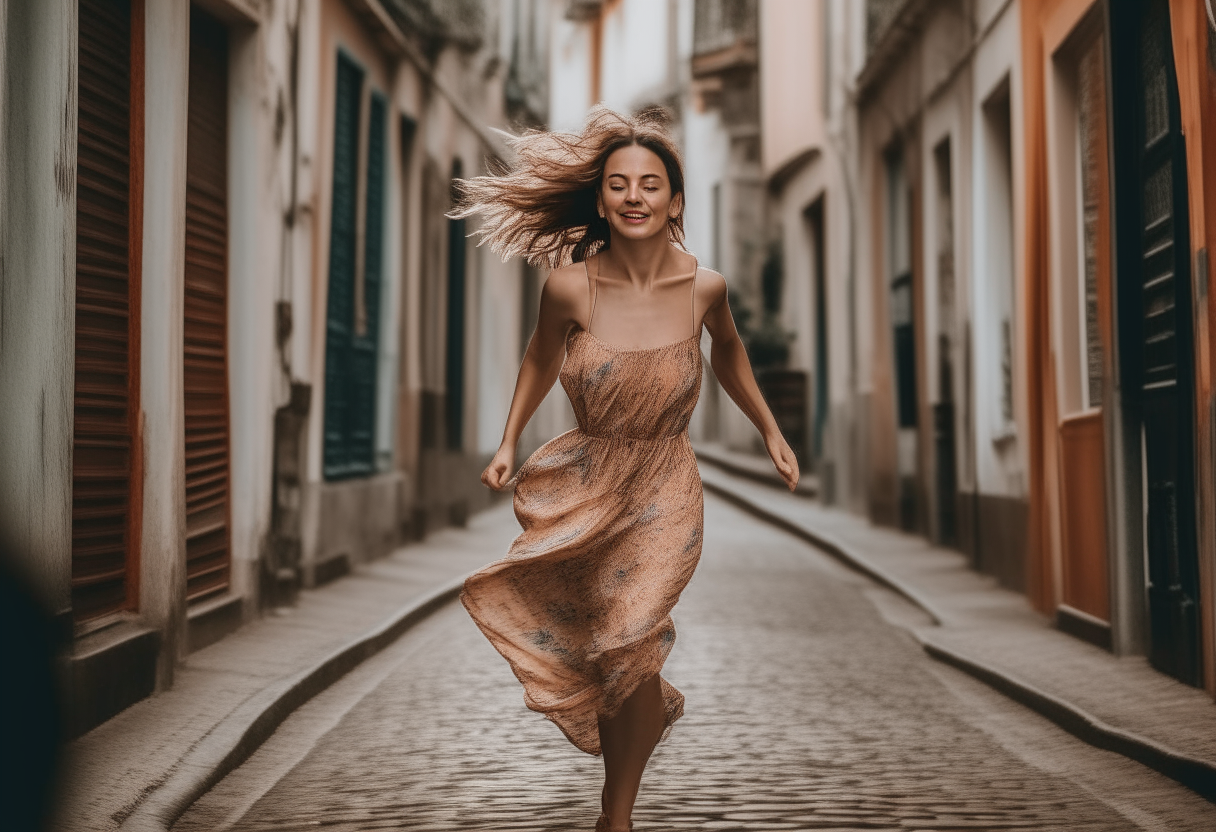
column 281, row 574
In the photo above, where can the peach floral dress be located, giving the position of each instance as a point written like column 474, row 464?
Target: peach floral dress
column 612, row 514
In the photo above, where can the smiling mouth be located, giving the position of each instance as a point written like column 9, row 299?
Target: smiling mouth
column 635, row 216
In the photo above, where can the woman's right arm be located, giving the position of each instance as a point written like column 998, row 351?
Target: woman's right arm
column 539, row 369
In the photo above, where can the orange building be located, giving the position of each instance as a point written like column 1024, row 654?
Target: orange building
column 1119, row 125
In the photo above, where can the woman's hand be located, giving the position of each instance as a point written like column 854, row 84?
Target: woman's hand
column 783, row 457
column 498, row 472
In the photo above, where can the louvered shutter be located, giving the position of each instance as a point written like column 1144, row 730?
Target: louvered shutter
column 106, row 378
column 341, row 295
column 365, row 340
column 206, row 311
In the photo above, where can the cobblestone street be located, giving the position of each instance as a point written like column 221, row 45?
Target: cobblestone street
column 807, row 708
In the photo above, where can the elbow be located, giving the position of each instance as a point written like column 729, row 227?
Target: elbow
column 728, row 355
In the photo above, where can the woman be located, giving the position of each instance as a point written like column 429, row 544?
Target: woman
column 612, row 510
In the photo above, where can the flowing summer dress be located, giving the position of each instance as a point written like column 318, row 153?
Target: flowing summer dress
column 612, row 514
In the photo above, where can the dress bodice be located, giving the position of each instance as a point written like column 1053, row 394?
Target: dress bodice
column 631, row 394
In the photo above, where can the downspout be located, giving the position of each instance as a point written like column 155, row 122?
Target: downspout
column 281, row 573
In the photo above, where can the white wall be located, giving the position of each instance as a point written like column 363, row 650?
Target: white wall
column 163, row 544
column 38, row 288
column 1000, row 444
column 634, row 61
column 569, row 69
column 254, row 233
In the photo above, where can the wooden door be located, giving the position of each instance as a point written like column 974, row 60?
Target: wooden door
column 206, row 312
column 105, row 450
column 1155, row 325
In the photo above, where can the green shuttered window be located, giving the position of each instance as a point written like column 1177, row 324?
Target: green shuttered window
column 353, row 311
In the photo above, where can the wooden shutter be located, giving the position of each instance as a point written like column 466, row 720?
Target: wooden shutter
column 206, row 311
column 365, row 341
column 105, row 464
column 342, row 255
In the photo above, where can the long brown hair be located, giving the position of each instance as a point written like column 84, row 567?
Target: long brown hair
column 543, row 207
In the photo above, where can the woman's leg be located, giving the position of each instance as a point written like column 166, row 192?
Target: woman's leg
column 627, row 740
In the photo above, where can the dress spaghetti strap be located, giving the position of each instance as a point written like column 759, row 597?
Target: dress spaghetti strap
column 591, row 290
column 593, row 286
column 696, row 266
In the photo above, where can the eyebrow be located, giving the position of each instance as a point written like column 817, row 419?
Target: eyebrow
column 644, row 176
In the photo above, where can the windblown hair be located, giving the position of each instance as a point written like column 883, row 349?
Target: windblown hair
column 543, row 207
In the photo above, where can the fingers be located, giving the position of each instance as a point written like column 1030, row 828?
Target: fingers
column 492, row 478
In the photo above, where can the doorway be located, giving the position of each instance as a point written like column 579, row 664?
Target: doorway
column 820, row 382
column 1155, row 337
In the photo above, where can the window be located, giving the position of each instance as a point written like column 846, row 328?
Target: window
column 355, row 277
column 1081, row 202
column 998, row 248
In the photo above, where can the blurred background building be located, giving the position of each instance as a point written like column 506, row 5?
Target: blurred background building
column 242, row 349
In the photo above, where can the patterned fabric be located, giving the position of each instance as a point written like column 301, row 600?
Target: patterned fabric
column 612, row 514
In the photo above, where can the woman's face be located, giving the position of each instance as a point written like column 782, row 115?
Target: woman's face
column 635, row 196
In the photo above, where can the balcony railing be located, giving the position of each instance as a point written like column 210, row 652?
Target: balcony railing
column 721, row 24
column 880, row 14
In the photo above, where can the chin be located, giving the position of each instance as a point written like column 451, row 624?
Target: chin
column 636, row 233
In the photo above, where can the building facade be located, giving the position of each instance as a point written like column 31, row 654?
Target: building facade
column 1018, row 224
column 249, row 350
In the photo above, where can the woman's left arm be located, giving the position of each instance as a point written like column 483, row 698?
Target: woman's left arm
column 728, row 358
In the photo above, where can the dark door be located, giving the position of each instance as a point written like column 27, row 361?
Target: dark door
column 205, row 351
column 946, row 470
column 1155, row 321
column 454, row 366
column 821, row 392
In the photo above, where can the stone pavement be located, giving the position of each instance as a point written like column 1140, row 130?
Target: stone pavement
column 226, row 698
column 805, row 710
column 142, row 769
column 1120, row 703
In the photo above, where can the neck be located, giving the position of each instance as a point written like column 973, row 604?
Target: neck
column 642, row 262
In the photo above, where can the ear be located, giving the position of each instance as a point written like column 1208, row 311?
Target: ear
column 599, row 204
column 675, row 206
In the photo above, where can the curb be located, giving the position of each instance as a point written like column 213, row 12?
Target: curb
column 1196, row 774
column 746, row 473
column 234, row 739
column 830, row 546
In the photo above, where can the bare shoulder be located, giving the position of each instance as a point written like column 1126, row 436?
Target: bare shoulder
column 568, row 282
column 565, row 293
column 710, row 288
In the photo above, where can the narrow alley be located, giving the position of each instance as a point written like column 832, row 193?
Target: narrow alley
column 808, row 708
